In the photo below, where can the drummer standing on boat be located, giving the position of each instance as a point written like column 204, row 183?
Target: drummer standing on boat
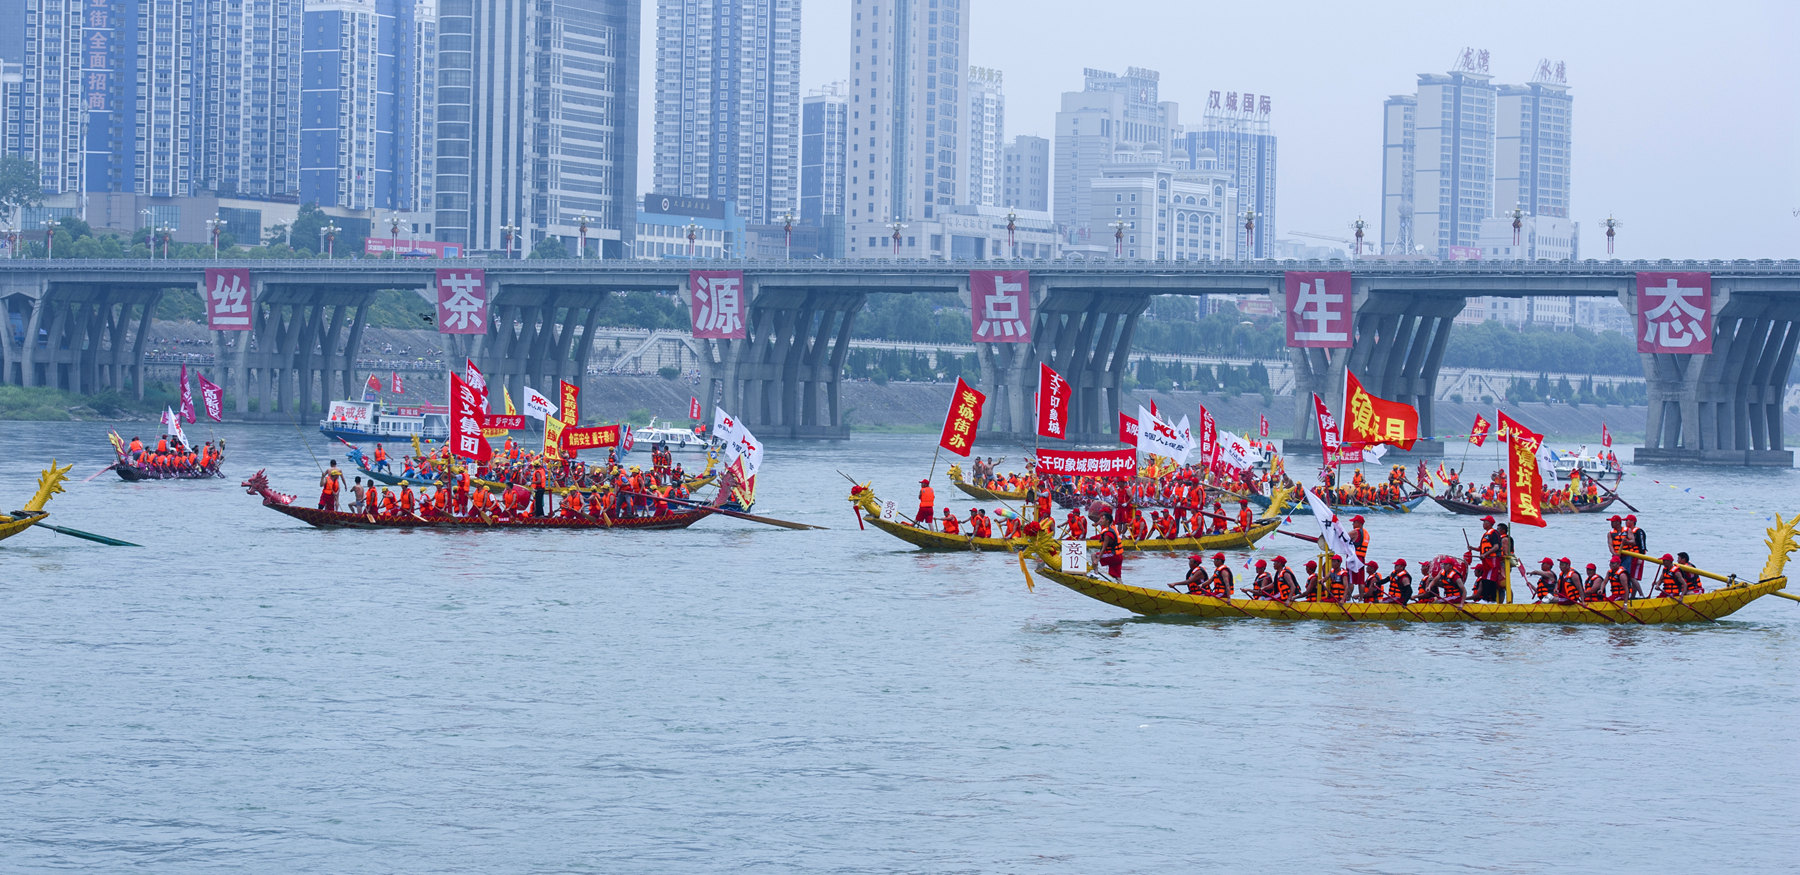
column 927, row 504
column 331, row 482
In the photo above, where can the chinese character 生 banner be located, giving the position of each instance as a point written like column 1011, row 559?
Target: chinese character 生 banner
column 1318, row 309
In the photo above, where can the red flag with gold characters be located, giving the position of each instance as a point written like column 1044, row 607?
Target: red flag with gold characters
column 1371, row 420
column 1523, row 482
column 960, row 422
column 1479, row 431
column 570, row 408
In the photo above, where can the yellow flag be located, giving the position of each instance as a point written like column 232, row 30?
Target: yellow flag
column 507, row 394
column 552, row 436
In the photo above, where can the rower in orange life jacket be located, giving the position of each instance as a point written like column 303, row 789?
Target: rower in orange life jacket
column 406, row 498
column 330, row 483
column 951, row 523
column 1243, row 515
column 927, row 504
column 1263, row 585
column 1197, row 581
column 1369, row 591
column 1286, row 584
column 1111, row 556
column 389, row 507
column 381, row 458
column 1619, row 585
column 1077, row 526
column 1359, row 540
column 1543, row 581
column 1399, row 584
column 1568, row 583
column 1222, row 580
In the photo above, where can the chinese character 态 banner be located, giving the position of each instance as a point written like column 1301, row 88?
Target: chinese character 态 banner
column 228, row 299
column 1370, row 420
column 1053, row 403
column 1115, row 464
column 1000, row 306
column 462, row 301
column 1318, row 309
column 718, row 305
column 959, row 423
column 1674, row 313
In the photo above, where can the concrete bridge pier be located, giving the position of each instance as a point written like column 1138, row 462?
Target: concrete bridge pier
column 1085, row 334
column 76, row 337
column 537, row 336
column 305, row 341
column 785, row 378
column 1404, row 335
column 1725, row 407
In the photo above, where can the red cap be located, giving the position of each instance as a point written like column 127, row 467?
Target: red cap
column 1399, row 563
column 925, row 482
column 1195, row 558
column 1281, row 560
column 1310, row 565
column 1218, row 557
column 1631, row 517
column 1668, row 558
column 1565, row 559
column 1356, row 519
column 1261, row 564
column 1487, row 519
column 1549, row 561
column 1614, row 518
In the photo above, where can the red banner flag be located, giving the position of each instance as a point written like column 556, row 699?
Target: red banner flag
column 1523, row 482
column 1052, row 403
column 959, row 423
column 1116, row 464
column 466, row 441
column 694, row 407
column 593, row 438
column 229, row 299
column 569, row 411
column 1209, row 438
column 187, row 397
column 1329, row 440
column 212, row 398
column 394, row 382
column 1262, row 425
column 1371, row 420
column 1605, row 436
column 1127, row 430
column 462, row 301
column 374, row 384
column 501, row 422
column 472, row 375
column 1479, row 431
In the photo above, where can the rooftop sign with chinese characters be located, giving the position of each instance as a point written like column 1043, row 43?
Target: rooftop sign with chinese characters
column 691, row 207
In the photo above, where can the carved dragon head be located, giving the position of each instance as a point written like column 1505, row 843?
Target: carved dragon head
column 1278, row 502
column 50, row 482
column 258, row 484
column 1781, row 542
column 955, row 472
column 863, row 497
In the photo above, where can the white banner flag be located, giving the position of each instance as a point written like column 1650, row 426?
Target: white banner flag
column 1234, row 451
column 1331, row 533
column 739, row 442
column 172, row 425
column 1162, row 439
column 536, row 405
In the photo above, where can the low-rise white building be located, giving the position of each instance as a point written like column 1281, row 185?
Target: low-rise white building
column 1154, row 209
column 966, row 233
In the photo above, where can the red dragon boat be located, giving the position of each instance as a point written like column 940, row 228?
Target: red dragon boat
column 258, row 484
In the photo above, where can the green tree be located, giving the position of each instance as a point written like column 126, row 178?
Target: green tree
column 550, row 247
column 20, row 185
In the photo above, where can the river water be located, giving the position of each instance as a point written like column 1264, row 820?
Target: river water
column 249, row 694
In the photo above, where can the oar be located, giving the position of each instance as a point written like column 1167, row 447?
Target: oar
column 771, row 521
column 1611, row 492
column 1627, row 611
column 91, row 477
column 77, row 533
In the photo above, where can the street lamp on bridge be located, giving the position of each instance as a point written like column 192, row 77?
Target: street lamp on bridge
column 213, row 226
column 1517, row 214
column 1119, row 226
column 1612, row 227
column 329, row 233
column 1012, row 227
column 393, row 235
column 581, row 224
column 507, row 233
column 167, row 233
column 693, row 231
column 787, row 228
column 1249, row 234
column 898, row 226
column 1358, row 227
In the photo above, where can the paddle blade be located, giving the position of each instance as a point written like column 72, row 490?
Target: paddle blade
column 88, row 536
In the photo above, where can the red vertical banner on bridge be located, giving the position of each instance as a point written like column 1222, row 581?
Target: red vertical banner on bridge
column 959, row 423
column 1318, row 309
column 1053, row 403
column 717, row 305
column 1674, row 312
column 1000, row 306
column 462, row 301
column 1523, row 482
column 229, row 300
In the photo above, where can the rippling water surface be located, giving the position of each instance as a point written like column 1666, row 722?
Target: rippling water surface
column 246, row 693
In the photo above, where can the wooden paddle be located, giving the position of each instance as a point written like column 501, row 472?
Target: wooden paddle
column 91, row 477
column 77, row 533
column 770, row 521
column 1609, row 491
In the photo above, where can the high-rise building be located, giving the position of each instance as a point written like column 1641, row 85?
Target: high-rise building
column 107, row 99
column 823, row 132
column 1453, row 159
column 1532, row 144
column 908, row 101
column 728, row 103
column 537, row 106
column 1025, row 178
column 1110, row 114
column 246, row 83
column 986, row 136
column 1463, row 149
column 363, row 109
column 1234, row 133
column 1146, row 207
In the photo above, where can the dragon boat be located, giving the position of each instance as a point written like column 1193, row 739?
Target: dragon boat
column 868, row 509
column 1407, row 505
column 983, row 493
column 1702, row 607
column 1471, row 508
column 258, row 484
column 50, row 482
column 132, row 474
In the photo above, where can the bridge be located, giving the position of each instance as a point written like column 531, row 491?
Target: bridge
column 80, row 325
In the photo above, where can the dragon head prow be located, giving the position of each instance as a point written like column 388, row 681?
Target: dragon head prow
column 1781, row 542
column 955, row 472
column 50, row 482
column 258, row 484
column 862, row 496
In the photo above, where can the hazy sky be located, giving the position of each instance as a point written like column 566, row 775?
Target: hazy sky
column 1687, row 115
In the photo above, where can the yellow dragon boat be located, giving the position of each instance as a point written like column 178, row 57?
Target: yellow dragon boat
column 50, row 482
column 982, row 492
column 868, row 507
column 1702, row 607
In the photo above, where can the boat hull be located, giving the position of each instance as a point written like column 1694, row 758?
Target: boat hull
column 134, row 475
column 928, row 539
column 1470, row 509
column 1150, row 602
column 14, row 525
column 326, row 519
